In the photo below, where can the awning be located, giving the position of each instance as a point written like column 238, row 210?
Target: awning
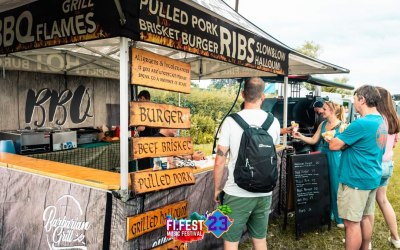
column 81, row 39
column 293, row 79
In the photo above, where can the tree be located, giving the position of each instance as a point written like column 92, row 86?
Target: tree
column 222, row 83
column 338, row 90
column 193, row 84
column 311, row 49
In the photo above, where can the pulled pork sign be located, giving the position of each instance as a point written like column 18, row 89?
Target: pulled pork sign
column 159, row 115
column 149, row 181
column 181, row 26
column 161, row 146
column 152, row 70
column 48, row 23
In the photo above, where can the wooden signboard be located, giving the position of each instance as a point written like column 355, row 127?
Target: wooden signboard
column 311, row 191
column 173, row 244
column 161, row 146
column 152, row 220
column 159, row 115
column 149, row 181
column 160, row 72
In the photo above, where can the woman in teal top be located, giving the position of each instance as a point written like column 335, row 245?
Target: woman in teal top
column 334, row 115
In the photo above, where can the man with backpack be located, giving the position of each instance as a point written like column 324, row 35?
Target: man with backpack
column 248, row 137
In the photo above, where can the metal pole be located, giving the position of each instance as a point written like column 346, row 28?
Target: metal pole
column 237, row 5
column 124, row 113
column 318, row 91
column 285, row 108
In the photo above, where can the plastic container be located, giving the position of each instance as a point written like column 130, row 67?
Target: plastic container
column 7, row 146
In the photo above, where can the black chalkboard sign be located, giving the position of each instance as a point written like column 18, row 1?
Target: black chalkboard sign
column 310, row 175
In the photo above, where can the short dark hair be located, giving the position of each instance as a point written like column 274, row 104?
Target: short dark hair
column 253, row 89
column 370, row 94
column 145, row 94
column 318, row 104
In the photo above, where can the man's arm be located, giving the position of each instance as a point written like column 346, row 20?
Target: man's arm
column 220, row 159
column 336, row 144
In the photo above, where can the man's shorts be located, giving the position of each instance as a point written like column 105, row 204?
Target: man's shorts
column 354, row 203
column 251, row 211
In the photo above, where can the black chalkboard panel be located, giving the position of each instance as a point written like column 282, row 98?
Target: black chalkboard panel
column 310, row 174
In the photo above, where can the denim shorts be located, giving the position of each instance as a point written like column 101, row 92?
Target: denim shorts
column 387, row 171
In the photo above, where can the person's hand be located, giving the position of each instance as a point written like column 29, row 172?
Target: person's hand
column 198, row 156
column 328, row 139
column 297, row 135
column 287, row 130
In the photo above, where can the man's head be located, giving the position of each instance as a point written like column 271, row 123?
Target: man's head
column 318, row 107
column 253, row 90
column 144, row 96
column 366, row 96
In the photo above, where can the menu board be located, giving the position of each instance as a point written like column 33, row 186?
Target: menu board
column 310, row 173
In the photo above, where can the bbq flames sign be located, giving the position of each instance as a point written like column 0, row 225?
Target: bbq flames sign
column 49, row 23
column 181, row 26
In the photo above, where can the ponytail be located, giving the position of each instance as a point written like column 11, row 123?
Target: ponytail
column 341, row 113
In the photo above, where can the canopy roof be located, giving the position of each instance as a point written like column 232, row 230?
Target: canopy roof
column 295, row 79
column 224, row 44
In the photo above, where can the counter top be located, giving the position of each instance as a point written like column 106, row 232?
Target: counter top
column 82, row 175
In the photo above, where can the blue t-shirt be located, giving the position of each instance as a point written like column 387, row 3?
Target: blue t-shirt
column 360, row 165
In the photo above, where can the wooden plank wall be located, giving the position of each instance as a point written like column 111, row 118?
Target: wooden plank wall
column 199, row 196
column 14, row 86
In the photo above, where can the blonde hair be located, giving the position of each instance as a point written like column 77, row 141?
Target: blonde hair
column 337, row 109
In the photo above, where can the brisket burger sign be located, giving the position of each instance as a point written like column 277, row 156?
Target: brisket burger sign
column 181, row 26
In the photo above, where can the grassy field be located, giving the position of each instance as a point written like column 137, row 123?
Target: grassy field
column 324, row 239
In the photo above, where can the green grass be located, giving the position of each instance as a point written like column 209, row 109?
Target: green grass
column 324, row 239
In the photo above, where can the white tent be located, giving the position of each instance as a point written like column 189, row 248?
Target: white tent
column 101, row 57
column 92, row 38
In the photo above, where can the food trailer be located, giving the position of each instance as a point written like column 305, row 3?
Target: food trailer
column 69, row 64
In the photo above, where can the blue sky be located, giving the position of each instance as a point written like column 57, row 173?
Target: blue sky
column 363, row 36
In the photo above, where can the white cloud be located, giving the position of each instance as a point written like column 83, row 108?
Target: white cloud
column 363, row 36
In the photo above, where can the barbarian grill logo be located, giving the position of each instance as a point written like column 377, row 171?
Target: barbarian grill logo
column 62, row 231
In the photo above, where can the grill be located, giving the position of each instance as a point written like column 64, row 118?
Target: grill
column 299, row 110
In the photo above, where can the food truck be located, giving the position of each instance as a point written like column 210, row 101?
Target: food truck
column 74, row 65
